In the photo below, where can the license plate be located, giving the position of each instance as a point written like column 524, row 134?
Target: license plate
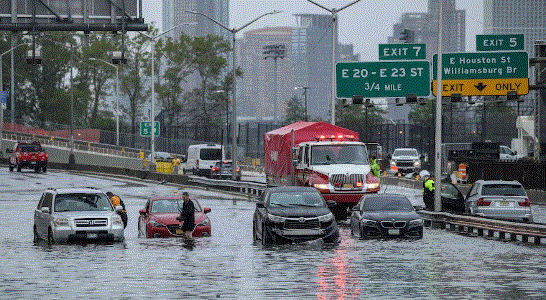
column 92, row 235
column 178, row 231
column 302, row 232
column 347, row 186
column 504, row 203
column 393, row 231
column 32, row 162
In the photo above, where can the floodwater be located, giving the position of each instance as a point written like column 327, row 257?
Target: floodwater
column 228, row 265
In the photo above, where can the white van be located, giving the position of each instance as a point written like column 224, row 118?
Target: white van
column 202, row 157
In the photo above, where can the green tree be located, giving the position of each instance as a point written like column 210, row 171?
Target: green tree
column 356, row 117
column 294, row 111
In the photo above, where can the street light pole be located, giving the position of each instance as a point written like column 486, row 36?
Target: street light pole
column 334, row 12
column 116, row 112
column 2, row 108
column 234, row 92
column 153, row 39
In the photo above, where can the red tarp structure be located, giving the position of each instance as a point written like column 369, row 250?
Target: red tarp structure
column 277, row 142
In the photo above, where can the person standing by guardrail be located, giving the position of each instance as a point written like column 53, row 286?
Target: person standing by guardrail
column 428, row 192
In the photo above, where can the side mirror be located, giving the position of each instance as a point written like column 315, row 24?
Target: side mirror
column 9, row 150
column 142, row 211
column 206, row 210
column 119, row 208
column 45, row 210
column 331, row 203
column 260, row 204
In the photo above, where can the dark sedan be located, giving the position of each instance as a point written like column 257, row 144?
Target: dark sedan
column 293, row 214
column 385, row 215
column 224, row 170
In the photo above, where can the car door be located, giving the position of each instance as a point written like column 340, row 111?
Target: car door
column 38, row 216
column 472, row 196
column 143, row 219
column 452, row 196
column 44, row 218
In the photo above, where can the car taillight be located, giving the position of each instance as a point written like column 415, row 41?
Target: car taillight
column 482, row 202
column 214, row 169
column 359, row 184
column 337, row 184
column 525, row 203
column 237, row 169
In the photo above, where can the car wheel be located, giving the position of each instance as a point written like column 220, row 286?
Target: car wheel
column 44, row 169
column 37, row 169
column 10, row 168
column 18, row 168
column 254, row 233
column 36, row 236
column 50, row 238
column 362, row 233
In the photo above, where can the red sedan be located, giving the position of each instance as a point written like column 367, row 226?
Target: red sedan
column 158, row 218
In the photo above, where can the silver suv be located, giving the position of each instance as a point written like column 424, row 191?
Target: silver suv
column 76, row 213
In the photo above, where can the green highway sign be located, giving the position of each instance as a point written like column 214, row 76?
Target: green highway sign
column 402, row 51
column 383, row 79
column 483, row 65
column 496, row 42
column 146, row 128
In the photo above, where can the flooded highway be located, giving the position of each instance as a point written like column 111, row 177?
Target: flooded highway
column 228, row 265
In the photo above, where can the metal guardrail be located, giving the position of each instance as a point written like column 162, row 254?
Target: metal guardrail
column 245, row 187
column 477, row 226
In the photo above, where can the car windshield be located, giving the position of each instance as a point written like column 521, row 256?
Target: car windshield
column 503, row 190
column 339, row 154
column 82, row 202
column 387, row 203
column 171, row 205
column 31, row 148
column 404, row 152
column 311, row 199
column 211, row 154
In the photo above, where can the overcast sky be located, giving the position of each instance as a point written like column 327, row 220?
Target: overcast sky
column 364, row 24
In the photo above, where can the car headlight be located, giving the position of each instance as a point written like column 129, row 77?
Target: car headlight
column 205, row 222
column 61, row 221
column 372, row 185
column 417, row 163
column 393, row 163
column 156, row 224
column 368, row 222
column 116, row 220
column 416, row 222
column 275, row 219
column 321, row 186
column 326, row 218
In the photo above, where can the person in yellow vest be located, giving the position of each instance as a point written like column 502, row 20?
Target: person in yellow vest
column 176, row 163
column 375, row 166
column 116, row 201
column 428, row 193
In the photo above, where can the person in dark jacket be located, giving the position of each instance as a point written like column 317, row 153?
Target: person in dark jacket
column 188, row 216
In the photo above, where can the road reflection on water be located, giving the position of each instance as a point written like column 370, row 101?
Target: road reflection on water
column 228, row 265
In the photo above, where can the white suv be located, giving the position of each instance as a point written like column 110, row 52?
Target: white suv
column 407, row 160
column 76, row 214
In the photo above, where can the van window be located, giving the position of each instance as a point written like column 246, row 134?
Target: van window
column 211, row 154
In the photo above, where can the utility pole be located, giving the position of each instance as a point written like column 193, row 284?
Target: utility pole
column 275, row 52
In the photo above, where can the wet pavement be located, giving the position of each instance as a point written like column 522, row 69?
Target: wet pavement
column 228, row 265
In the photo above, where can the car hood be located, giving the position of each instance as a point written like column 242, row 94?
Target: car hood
column 298, row 211
column 84, row 214
column 170, row 218
column 391, row 215
column 341, row 169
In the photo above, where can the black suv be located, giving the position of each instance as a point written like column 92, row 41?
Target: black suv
column 294, row 214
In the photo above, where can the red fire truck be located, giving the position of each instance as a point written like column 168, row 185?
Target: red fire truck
column 318, row 154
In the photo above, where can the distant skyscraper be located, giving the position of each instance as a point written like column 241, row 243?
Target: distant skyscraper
column 173, row 14
column 424, row 28
column 256, row 89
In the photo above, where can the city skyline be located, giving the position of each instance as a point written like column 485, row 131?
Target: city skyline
column 390, row 12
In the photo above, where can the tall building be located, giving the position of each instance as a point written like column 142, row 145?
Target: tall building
column 527, row 17
column 256, row 94
column 174, row 14
column 423, row 28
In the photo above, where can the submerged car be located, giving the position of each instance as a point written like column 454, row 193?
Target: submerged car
column 158, row 218
column 385, row 215
column 293, row 214
column 224, row 170
column 499, row 199
column 76, row 214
